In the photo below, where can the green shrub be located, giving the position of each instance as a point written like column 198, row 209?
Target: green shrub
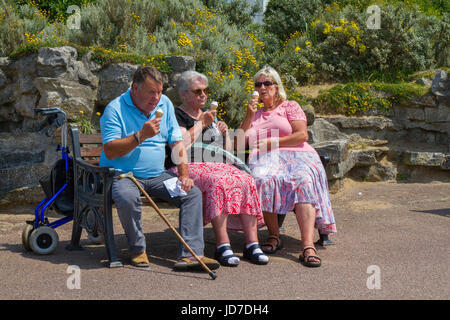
column 19, row 24
column 237, row 12
column 356, row 98
column 285, row 17
column 339, row 46
column 54, row 10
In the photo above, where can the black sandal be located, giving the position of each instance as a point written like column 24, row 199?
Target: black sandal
column 223, row 260
column 254, row 257
column 307, row 262
column 275, row 248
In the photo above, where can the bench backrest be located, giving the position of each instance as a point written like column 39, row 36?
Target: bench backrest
column 90, row 147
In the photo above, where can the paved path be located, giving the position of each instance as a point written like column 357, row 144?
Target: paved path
column 400, row 230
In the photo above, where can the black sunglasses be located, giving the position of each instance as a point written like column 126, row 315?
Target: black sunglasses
column 200, row 91
column 265, row 83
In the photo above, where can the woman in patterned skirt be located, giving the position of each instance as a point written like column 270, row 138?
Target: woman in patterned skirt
column 288, row 172
column 230, row 199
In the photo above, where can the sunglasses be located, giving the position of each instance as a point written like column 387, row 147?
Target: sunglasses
column 200, row 91
column 265, row 83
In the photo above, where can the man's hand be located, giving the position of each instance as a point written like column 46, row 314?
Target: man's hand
column 150, row 129
column 186, row 183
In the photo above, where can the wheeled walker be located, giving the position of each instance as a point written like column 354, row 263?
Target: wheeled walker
column 39, row 235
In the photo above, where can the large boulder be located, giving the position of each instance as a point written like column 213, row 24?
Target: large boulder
column 114, row 80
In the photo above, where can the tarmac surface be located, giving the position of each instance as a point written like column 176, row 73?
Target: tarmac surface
column 392, row 243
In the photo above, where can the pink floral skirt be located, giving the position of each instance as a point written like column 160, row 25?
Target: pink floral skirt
column 284, row 178
column 225, row 190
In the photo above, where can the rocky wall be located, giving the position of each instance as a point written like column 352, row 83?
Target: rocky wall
column 412, row 143
column 55, row 77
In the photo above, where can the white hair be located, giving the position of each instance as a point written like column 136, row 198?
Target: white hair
column 271, row 73
column 187, row 78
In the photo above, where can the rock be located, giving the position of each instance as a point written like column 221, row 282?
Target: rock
column 71, row 96
column 7, row 95
column 339, row 170
column 181, row 63
column 114, row 80
column 3, row 79
column 441, row 83
column 372, row 122
column 337, row 150
column 439, row 114
column 85, row 76
column 24, row 105
column 428, row 100
column 365, row 157
column 24, row 195
column 5, row 62
column 91, row 64
column 172, row 94
column 24, row 158
column 426, row 159
column 441, row 87
column 310, row 114
column 55, row 62
column 322, row 131
column 375, row 172
column 414, row 113
column 424, row 82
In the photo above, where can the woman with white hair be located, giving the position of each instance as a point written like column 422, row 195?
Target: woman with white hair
column 287, row 170
column 229, row 194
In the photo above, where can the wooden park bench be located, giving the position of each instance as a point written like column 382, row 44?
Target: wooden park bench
column 92, row 194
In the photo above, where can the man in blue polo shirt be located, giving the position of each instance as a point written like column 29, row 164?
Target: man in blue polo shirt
column 134, row 139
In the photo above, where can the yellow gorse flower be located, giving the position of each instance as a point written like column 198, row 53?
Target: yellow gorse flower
column 184, row 41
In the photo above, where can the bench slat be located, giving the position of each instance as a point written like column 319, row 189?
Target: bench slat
column 95, row 138
column 91, row 151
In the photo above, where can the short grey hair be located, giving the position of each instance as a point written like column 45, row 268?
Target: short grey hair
column 271, row 73
column 187, row 78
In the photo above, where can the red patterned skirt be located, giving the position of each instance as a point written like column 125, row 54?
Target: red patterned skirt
column 225, row 190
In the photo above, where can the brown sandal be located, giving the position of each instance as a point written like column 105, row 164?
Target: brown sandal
column 275, row 248
column 307, row 262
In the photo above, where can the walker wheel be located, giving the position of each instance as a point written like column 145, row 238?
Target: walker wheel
column 26, row 232
column 43, row 240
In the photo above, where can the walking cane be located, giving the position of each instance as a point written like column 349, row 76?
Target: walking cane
column 204, row 266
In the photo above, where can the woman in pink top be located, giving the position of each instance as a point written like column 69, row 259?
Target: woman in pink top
column 287, row 170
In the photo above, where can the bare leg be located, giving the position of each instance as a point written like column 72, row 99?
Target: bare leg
column 250, row 225
column 306, row 216
column 271, row 221
column 219, row 224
